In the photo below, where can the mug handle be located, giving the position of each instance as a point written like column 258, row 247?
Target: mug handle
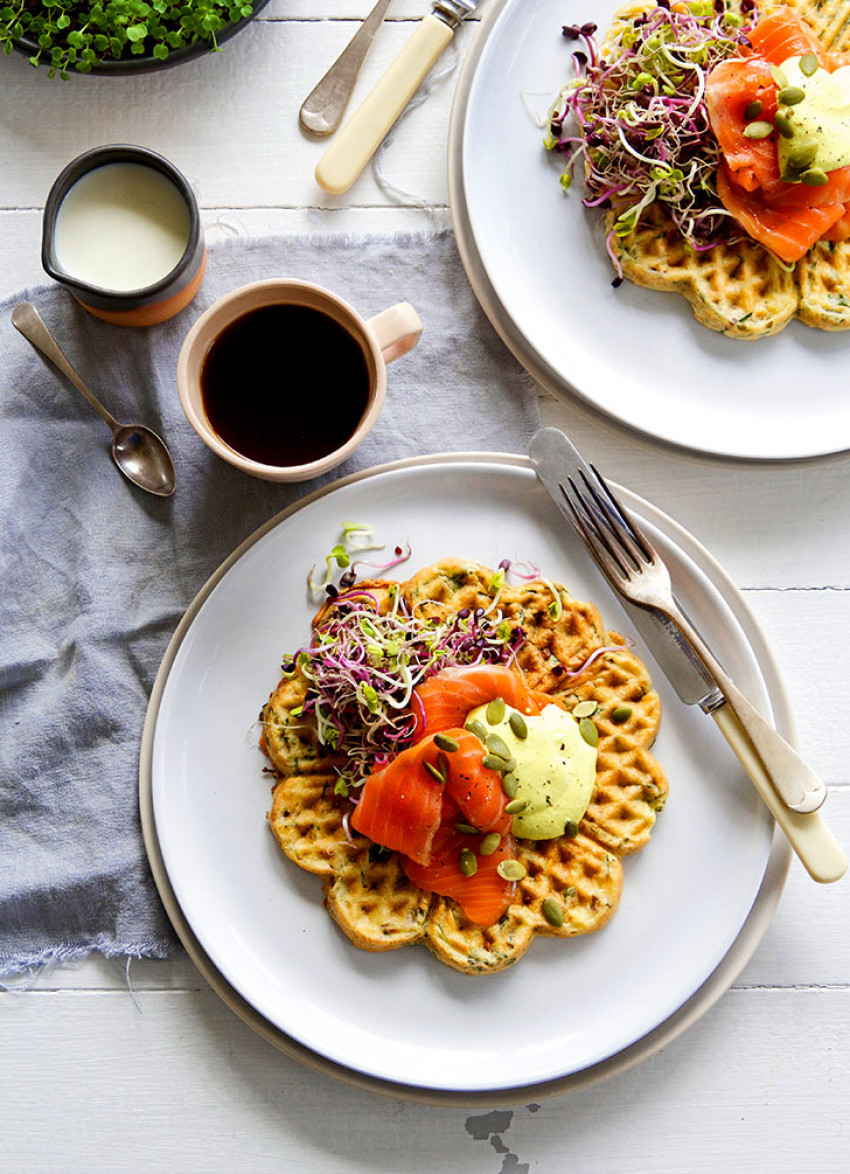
column 397, row 330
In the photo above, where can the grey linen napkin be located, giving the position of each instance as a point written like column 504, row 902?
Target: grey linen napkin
column 95, row 574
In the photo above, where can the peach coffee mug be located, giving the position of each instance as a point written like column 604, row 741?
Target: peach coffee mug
column 284, row 379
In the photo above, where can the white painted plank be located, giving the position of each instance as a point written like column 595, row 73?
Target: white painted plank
column 229, row 121
column 92, row 1083
column 341, row 10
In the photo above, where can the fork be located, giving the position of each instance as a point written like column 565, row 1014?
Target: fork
column 633, row 567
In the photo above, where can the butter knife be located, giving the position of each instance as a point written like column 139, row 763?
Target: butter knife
column 323, row 108
column 788, row 786
column 360, row 137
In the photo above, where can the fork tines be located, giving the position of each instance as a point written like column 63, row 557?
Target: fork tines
column 604, row 523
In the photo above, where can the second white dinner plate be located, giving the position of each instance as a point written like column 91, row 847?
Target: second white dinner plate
column 567, row 1007
column 537, row 261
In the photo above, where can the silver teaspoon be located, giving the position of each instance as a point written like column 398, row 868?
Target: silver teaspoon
column 322, row 111
column 137, row 451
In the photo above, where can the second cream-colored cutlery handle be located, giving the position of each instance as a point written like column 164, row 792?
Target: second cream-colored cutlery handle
column 808, row 835
column 360, row 137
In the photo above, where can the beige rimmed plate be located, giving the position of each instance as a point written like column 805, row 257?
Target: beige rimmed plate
column 399, row 1023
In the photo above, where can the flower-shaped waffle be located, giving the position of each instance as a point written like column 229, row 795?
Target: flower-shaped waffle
column 572, row 884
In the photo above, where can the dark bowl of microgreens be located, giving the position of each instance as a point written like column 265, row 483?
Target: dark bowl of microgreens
column 117, row 37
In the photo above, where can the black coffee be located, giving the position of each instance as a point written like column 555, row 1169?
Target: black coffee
column 284, row 385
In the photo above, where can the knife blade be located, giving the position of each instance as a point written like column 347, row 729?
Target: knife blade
column 789, row 788
column 360, row 137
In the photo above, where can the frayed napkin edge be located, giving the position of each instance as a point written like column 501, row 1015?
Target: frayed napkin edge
column 28, row 966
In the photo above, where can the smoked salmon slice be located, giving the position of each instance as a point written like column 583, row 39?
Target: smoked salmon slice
column 484, row 896
column 475, row 788
column 402, row 805
column 840, row 231
column 787, row 218
column 783, row 34
column 444, row 700
column 799, row 195
column 787, row 232
column 732, row 86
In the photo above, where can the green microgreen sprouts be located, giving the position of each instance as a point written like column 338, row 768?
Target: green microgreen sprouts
column 73, row 35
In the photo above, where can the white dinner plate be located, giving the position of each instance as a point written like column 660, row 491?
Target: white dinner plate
column 695, row 903
column 536, row 259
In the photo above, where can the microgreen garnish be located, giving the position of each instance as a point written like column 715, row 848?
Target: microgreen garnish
column 362, row 666
column 556, row 607
column 71, row 34
column 637, row 122
column 356, row 537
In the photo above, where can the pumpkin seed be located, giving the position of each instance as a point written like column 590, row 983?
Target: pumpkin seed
column 553, row 912
column 758, row 130
column 516, row 806
column 511, row 870
column 808, row 64
column 571, row 830
column 446, row 742
column 753, row 110
column 489, row 844
column 815, row 177
column 466, row 829
column 790, row 96
column 495, row 711
column 477, row 728
column 783, row 124
column 443, row 764
column 621, row 714
column 467, row 862
column 518, row 724
column 495, row 762
column 497, row 745
column 585, row 709
column 434, row 773
column 778, row 76
column 801, row 155
column 509, row 784
column 588, row 731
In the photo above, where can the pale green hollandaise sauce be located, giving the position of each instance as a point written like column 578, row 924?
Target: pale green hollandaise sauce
column 555, row 770
column 819, row 119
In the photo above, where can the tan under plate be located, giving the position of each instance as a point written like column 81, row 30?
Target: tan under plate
column 699, row 1002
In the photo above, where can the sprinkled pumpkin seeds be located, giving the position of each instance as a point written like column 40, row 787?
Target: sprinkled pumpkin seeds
column 446, row 742
column 489, row 844
column 585, row 709
column 553, row 912
column 511, row 870
column 496, row 711
column 467, row 862
column 588, row 731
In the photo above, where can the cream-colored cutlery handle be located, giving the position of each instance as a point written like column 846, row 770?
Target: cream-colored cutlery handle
column 360, row 137
column 817, row 848
column 794, row 780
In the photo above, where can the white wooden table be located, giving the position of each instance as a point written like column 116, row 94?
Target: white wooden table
column 95, row 1078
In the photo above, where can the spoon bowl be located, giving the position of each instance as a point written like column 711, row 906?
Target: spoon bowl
column 142, row 457
column 138, row 452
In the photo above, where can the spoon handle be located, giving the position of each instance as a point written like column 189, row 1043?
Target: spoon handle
column 27, row 320
column 322, row 110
